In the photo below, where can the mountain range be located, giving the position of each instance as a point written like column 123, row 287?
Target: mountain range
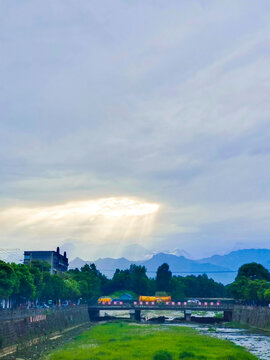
column 222, row 268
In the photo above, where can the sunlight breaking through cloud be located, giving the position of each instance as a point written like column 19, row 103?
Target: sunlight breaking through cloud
column 105, row 220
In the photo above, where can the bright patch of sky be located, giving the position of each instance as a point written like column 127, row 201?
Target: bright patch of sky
column 163, row 103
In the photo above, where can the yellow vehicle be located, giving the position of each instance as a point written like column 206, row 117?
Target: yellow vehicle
column 156, row 299
column 104, row 300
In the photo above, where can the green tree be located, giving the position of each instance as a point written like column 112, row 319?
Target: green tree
column 72, row 289
column 26, row 289
column 54, row 287
column 37, row 269
column 202, row 286
column 251, row 284
column 164, row 276
column 9, row 282
column 138, row 279
column 255, row 291
column 267, row 295
column 89, row 281
column 237, row 288
column 121, row 280
column 178, row 287
column 253, row 271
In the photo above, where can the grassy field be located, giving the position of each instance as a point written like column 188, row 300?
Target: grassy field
column 124, row 341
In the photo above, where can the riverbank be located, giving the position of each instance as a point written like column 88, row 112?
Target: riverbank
column 237, row 325
column 36, row 348
column 136, row 341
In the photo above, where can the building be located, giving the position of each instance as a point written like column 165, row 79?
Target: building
column 58, row 262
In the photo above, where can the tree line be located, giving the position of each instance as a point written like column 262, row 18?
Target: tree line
column 34, row 282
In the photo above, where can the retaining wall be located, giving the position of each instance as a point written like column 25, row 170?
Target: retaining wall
column 19, row 326
column 252, row 315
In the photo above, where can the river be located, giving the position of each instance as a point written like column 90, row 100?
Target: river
column 256, row 342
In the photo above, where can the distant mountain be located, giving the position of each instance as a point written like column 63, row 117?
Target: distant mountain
column 135, row 252
column 178, row 252
column 235, row 259
column 221, row 268
column 179, row 265
column 106, row 265
column 77, row 263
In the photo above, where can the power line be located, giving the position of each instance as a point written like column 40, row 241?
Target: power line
column 10, row 255
column 185, row 272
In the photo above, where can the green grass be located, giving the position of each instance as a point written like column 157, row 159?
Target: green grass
column 123, row 341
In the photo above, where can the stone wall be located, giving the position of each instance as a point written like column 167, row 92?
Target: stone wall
column 252, row 315
column 19, row 326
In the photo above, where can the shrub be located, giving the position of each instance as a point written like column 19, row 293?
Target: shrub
column 162, row 355
column 186, row 355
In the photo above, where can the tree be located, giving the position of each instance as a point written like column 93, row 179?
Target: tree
column 37, row 269
column 253, row 271
column 121, row 280
column 72, row 289
column 26, row 289
column 164, row 276
column 88, row 280
column 8, row 280
column 54, row 287
column 251, row 284
column 255, row 291
column 202, row 286
column 267, row 295
column 138, row 279
column 237, row 288
column 178, row 287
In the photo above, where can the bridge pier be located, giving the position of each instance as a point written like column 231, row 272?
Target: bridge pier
column 227, row 315
column 135, row 314
column 187, row 315
column 93, row 315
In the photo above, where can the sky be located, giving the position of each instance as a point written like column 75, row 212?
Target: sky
column 127, row 122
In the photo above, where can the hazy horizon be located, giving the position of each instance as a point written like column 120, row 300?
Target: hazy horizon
column 135, row 122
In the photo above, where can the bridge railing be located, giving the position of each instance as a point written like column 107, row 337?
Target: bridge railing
column 170, row 304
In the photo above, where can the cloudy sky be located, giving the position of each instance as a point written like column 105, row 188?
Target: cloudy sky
column 133, row 121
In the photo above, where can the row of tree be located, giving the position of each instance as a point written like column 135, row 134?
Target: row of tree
column 22, row 283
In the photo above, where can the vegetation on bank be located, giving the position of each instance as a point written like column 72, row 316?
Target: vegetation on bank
column 33, row 282
column 121, row 341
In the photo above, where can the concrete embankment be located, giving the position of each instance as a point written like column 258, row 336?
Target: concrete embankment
column 255, row 316
column 17, row 327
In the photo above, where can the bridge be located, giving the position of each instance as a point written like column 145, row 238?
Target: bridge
column 135, row 308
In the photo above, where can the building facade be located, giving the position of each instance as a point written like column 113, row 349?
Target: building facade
column 58, row 263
